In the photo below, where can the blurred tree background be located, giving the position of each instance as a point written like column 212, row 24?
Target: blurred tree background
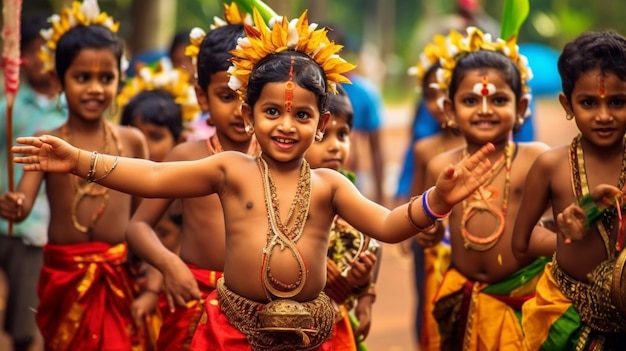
column 390, row 32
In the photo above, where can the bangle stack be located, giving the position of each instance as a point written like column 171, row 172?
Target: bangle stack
column 428, row 211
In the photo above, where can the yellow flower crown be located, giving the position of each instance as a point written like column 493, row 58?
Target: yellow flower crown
column 283, row 35
column 433, row 51
column 85, row 14
column 232, row 15
column 163, row 77
column 458, row 45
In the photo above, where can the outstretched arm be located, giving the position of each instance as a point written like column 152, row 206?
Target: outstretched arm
column 133, row 176
column 454, row 184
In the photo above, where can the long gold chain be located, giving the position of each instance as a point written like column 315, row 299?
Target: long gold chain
column 482, row 203
column 281, row 233
column 82, row 188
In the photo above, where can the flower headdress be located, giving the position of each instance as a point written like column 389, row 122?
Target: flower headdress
column 283, row 35
column 458, row 45
column 232, row 15
column 163, row 77
column 85, row 14
column 433, row 51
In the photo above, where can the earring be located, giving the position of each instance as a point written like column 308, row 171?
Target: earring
column 319, row 135
column 520, row 120
column 569, row 117
column 451, row 124
column 249, row 129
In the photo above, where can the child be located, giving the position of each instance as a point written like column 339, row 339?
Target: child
column 573, row 307
column 85, row 291
column 482, row 291
column 271, row 292
column 38, row 106
column 202, row 255
column 432, row 262
column 352, row 257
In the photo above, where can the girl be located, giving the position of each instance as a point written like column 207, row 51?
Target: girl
column 577, row 300
column 486, row 83
column 353, row 259
column 84, row 289
column 285, row 102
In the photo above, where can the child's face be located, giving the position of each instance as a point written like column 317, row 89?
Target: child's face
column 285, row 135
column 431, row 96
column 485, row 107
column 334, row 149
column 160, row 139
column 32, row 66
column 182, row 61
column 598, row 103
column 91, row 83
column 224, row 107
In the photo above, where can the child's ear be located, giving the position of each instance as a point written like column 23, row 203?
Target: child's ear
column 201, row 97
column 565, row 103
column 448, row 109
column 522, row 105
column 246, row 113
column 321, row 126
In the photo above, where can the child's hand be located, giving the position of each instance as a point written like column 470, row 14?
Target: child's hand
column 11, row 206
column 180, row 284
column 363, row 313
column 429, row 238
column 46, row 153
column 142, row 306
column 361, row 269
column 457, row 182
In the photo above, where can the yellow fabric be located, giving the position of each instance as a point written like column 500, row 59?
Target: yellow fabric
column 436, row 262
column 492, row 324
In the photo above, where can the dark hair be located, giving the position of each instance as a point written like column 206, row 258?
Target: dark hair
column 339, row 105
column 275, row 68
column 429, row 72
column 84, row 37
column 156, row 107
column 605, row 51
column 180, row 38
column 31, row 27
column 484, row 59
column 215, row 50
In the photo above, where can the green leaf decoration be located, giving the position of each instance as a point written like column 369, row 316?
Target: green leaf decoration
column 514, row 13
column 350, row 175
column 246, row 6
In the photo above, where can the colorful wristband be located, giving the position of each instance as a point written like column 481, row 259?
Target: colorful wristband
column 428, row 211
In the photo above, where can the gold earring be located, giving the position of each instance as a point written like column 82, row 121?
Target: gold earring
column 319, row 135
column 249, row 129
column 569, row 117
column 520, row 120
column 451, row 124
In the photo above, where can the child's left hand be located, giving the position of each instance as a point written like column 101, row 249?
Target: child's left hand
column 46, row 153
column 457, row 182
column 142, row 306
column 361, row 269
column 363, row 313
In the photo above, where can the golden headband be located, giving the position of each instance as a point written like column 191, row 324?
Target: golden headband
column 232, row 15
column 85, row 14
column 433, row 51
column 458, row 45
column 262, row 40
column 163, row 77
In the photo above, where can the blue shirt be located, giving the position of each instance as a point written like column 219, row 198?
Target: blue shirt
column 366, row 103
column 31, row 113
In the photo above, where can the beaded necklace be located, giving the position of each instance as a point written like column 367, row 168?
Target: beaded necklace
column 83, row 188
column 580, row 188
column 283, row 234
column 482, row 202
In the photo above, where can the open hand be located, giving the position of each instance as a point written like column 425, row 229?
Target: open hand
column 457, row 182
column 46, row 153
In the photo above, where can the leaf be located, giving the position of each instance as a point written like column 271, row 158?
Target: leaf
column 247, row 5
column 514, row 13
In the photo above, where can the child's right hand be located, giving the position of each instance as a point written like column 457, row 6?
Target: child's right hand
column 572, row 223
column 11, row 206
column 46, row 153
column 144, row 305
column 180, row 284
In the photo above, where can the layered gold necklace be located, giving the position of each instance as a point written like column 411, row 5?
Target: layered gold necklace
column 83, row 188
column 580, row 188
column 481, row 201
column 284, row 234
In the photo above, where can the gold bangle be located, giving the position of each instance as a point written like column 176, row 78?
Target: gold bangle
column 107, row 171
column 92, row 167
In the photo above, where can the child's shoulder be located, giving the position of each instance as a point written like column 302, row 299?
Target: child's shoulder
column 189, row 150
column 429, row 144
column 443, row 159
column 133, row 139
column 532, row 148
